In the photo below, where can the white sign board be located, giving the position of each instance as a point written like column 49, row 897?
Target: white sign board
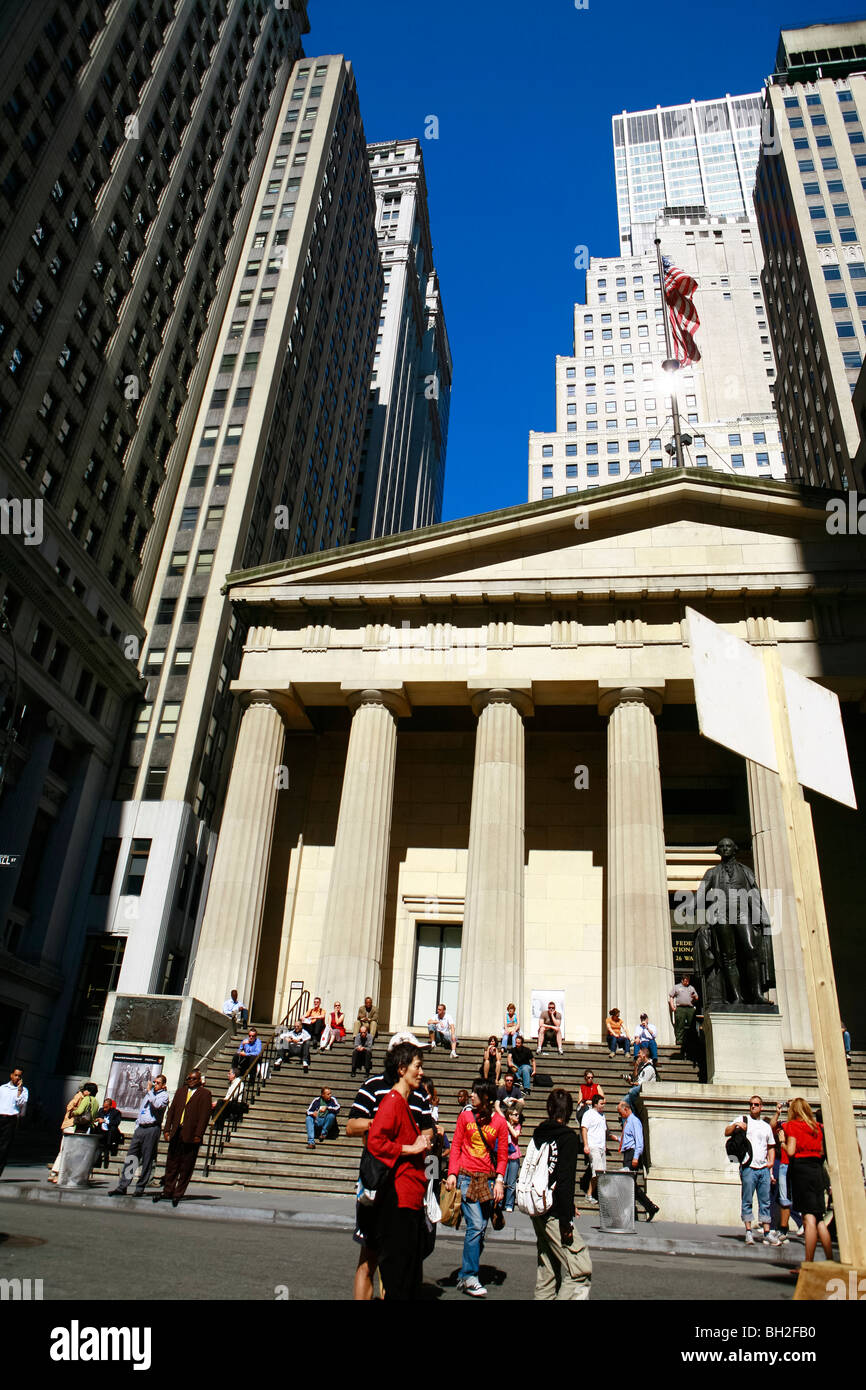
column 818, row 736
column 731, row 691
column 734, row 710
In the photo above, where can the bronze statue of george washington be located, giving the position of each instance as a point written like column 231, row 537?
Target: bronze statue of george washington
column 733, row 945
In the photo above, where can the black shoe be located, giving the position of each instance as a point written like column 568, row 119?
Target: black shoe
column 117, row 1192
column 654, row 1211
column 158, row 1197
column 174, row 1201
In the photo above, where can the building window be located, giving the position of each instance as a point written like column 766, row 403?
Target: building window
column 136, row 868
column 734, row 439
column 547, row 470
column 204, row 562
column 169, row 718
column 547, row 451
column 547, row 492
column 737, row 461
column 763, row 460
column 103, row 876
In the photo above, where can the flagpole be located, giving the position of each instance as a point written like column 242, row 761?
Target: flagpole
column 670, row 365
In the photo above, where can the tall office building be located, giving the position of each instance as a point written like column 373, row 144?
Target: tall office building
column 812, row 216
column 613, row 410
column 271, row 472
column 128, row 136
column 700, row 154
column 403, row 469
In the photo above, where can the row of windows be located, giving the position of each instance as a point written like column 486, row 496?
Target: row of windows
column 635, row 467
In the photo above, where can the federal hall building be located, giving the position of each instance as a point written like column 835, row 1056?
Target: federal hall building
column 469, row 766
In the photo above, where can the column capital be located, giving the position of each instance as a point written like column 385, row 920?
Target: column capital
column 392, row 697
column 521, row 700
column 284, row 702
column 651, row 696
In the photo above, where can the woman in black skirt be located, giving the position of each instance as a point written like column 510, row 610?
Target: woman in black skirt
column 804, row 1140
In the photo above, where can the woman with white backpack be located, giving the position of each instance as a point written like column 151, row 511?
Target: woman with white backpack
column 545, row 1191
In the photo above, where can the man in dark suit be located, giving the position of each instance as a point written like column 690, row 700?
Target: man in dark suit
column 185, row 1125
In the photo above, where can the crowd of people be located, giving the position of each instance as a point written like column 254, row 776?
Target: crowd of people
column 481, row 1167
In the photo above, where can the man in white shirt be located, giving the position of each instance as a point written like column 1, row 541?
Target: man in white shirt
column 13, row 1103
column 593, row 1130
column 443, row 1032
column 234, row 1009
column 646, row 1037
column 292, row 1042
column 756, row 1176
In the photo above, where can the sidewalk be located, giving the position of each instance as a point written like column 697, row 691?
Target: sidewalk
column 306, row 1210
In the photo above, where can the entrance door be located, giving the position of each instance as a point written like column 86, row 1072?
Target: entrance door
column 437, row 971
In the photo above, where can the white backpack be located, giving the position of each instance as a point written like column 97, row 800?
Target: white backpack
column 534, row 1190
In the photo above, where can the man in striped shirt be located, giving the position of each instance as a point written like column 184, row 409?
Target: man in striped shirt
column 361, row 1116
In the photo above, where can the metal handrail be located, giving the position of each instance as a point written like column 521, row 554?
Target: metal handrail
column 231, row 1110
column 296, row 1010
column 219, row 1042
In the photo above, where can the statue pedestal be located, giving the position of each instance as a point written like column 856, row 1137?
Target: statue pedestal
column 745, row 1049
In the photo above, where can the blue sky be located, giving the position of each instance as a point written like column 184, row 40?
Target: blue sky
column 522, row 171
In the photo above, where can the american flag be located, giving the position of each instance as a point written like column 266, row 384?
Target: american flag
column 679, row 288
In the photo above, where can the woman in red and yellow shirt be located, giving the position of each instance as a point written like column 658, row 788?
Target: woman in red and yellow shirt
column 479, row 1152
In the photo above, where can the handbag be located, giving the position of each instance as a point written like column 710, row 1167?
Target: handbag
column 432, row 1209
column 373, row 1178
column 450, row 1205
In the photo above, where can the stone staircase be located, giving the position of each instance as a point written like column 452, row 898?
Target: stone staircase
column 269, row 1148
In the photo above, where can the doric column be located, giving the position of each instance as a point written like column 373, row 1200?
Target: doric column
column 351, row 960
column 775, row 880
column 229, row 942
column 491, row 957
column 639, row 952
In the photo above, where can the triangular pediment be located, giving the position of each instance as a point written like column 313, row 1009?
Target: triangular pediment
column 705, row 531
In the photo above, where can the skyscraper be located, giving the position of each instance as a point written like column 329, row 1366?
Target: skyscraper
column 128, row 136
column 403, row 468
column 271, row 471
column 613, row 410
column 700, row 154
column 812, row 216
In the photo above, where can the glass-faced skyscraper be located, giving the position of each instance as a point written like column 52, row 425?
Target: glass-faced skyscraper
column 702, row 154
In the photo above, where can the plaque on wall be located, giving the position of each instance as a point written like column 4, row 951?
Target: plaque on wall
column 144, row 1019
column 127, row 1081
column 683, row 943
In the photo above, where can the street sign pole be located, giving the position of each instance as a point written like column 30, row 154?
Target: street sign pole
column 843, row 1154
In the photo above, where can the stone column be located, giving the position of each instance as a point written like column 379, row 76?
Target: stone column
column 350, row 965
column 639, row 952
column 229, row 941
column 775, row 880
column 492, row 949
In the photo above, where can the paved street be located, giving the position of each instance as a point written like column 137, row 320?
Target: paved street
column 106, row 1255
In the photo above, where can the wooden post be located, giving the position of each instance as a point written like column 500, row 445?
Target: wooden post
column 843, row 1153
